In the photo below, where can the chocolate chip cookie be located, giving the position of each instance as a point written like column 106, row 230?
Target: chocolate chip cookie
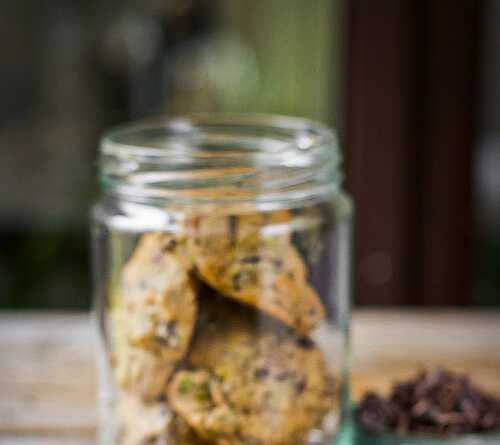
column 140, row 372
column 155, row 314
column 250, row 380
column 251, row 258
column 141, row 423
column 180, row 433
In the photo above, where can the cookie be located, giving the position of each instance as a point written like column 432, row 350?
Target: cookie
column 141, row 423
column 155, row 314
column 140, row 372
column 180, row 433
column 252, row 259
column 250, row 380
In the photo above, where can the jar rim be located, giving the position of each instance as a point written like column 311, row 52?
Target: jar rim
column 220, row 157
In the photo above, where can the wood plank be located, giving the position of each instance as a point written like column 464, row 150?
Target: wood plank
column 392, row 344
column 46, row 440
column 48, row 381
column 47, row 375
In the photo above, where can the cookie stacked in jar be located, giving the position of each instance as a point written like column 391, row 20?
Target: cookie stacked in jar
column 221, row 246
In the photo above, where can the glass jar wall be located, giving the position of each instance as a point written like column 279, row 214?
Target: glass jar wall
column 221, row 252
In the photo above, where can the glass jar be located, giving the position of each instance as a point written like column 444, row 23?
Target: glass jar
column 222, row 269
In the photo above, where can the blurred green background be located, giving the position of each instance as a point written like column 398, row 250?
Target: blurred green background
column 72, row 68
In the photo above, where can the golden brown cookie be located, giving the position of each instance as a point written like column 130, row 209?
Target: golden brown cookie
column 141, row 423
column 155, row 315
column 249, row 380
column 139, row 371
column 180, row 433
column 251, row 258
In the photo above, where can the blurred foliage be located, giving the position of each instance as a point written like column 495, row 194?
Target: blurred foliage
column 72, row 69
column 44, row 267
column 274, row 56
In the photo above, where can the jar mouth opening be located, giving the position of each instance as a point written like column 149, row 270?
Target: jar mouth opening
column 220, row 157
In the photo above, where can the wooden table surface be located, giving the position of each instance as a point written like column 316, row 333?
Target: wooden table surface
column 48, row 378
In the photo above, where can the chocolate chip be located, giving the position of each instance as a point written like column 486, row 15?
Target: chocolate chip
column 166, row 334
column 261, row 373
column 300, row 386
column 278, row 263
column 305, row 342
column 237, row 281
column 377, row 415
column 252, row 259
column 434, row 402
column 233, row 227
column 170, row 245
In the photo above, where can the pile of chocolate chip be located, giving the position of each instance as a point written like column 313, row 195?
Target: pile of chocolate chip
column 435, row 402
